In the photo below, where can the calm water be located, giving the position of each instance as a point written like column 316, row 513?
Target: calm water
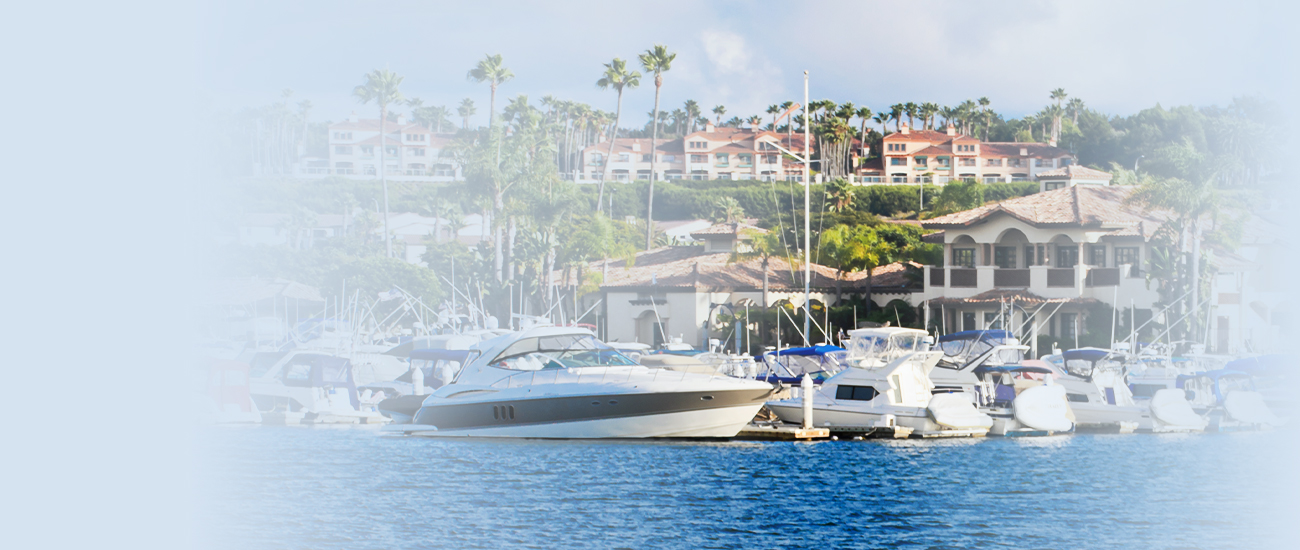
column 313, row 488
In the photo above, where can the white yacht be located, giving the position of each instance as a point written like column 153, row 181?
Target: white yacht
column 1228, row 400
column 1096, row 386
column 308, row 386
column 561, row 382
column 986, row 365
column 887, row 383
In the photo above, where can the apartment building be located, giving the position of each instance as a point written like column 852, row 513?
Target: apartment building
column 712, row 154
column 930, row 156
column 410, row 152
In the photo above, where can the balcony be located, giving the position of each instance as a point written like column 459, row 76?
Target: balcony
column 963, row 277
column 1102, row 276
column 1060, row 277
column 936, row 276
column 1011, row 278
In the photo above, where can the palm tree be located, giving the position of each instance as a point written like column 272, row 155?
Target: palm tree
column 839, row 195
column 1074, row 107
column 728, row 210
column 719, row 110
column 465, row 111
column 692, row 110
column 773, row 110
column 984, row 110
column 912, row 110
column 896, row 113
column 490, row 70
column 864, row 114
column 381, row 87
column 618, row 77
column 762, row 245
column 656, row 60
column 789, row 124
column 754, row 122
column 1058, row 95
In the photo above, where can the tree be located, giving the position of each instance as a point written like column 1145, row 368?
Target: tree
column 728, row 210
column 839, row 195
column 656, row 60
column 1074, row 107
column 618, row 77
column 692, row 110
column 719, row 110
column 1058, row 95
column 864, row 115
column 381, row 87
column 490, row 70
column 762, row 245
column 465, row 111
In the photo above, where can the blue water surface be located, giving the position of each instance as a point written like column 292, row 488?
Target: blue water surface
column 357, row 488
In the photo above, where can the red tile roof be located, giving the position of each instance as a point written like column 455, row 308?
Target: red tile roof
column 931, row 136
column 1079, row 206
column 1075, row 171
column 1034, row 150
column 933, row 150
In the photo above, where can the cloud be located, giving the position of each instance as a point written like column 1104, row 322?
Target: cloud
column 737, row 73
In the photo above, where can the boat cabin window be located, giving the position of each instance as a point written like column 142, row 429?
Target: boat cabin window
column 855, row 393
column 263, row 361
column 559, row 352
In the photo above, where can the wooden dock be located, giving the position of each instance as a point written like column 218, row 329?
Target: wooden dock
column 781, row 432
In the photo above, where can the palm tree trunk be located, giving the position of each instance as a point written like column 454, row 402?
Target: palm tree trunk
column 510, row 249
column 618, row 113
column 383, row 176
column 654, row 171
column 498, row 256
column 492, row 106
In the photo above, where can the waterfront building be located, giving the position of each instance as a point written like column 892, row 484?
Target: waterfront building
column 411, row 152
column 930, row 156
column 715, row 153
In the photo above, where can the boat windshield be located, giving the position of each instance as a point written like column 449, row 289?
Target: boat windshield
column 883, row 348
column 559, row 352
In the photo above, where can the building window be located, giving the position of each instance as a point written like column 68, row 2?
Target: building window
column 992, row 178
column 1004, row 257
column 597, row 159
column 966, row 162
column 897, row 147
column 769, row 159
column 963, row 257
column 944, row 162
column 1029, row 255
column 390, row 151
column 855, row 393
column 968, row 321
column 645, row 157
column 1014, row 163
column 921, row 161
column 1128, row 255
column 700, row 158
column 624, row 157
column 1042, row 162
column 992, row 321
column 419, row 152
column 1097, row 256
column 342, row 135
column 342, row 150
column 745, row 159
column 668, row 158
column 993, row 162
column 724, row 175
column 367, row 150
column 720, row 159
column 1053, row 185
column 1067, row 256
column 699, row 145
column 965, row 148
column 898, row 161
column 1069, row 325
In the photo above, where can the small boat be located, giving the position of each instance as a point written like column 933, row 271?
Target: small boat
column 986, row 365
column 887, row 384
column 562, row 382
column 1097, row 389
column 308, row 386
column 1227, row 398
column 787, row 366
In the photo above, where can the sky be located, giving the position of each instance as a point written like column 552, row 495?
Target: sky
column 1119, row 57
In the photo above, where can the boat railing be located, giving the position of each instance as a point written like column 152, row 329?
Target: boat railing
column 578, row 375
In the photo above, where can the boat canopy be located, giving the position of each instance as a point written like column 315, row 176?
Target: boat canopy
column 458, row 355
column 976, row 335
column 822, row 349
column 1263, row 365
column 1086, row 354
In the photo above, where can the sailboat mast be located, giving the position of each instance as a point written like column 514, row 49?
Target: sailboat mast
column 807, row 228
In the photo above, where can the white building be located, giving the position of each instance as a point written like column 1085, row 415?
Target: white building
column 712, row 154
column 411, row 152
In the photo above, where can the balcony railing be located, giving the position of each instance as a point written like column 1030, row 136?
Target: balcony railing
column 936, row 276
column 963, row 278
column 1102, row 276
column 1011, row 278
column 1060, row 277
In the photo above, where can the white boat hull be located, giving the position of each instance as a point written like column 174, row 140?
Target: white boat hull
column 725, row 422
column 850, row 420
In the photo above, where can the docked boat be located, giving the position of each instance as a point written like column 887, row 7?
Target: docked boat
column 562, row 382
column 1096, row 386
column 787, row 366
column 307, row 386
column 1228, row 400
column 886, row 384
column 986, row 366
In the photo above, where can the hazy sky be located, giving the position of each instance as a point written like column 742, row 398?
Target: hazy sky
column 1119, row 57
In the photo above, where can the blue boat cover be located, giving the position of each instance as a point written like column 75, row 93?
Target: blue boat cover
column 808, row 351
column 976, row 335
column 441, row 354
column 1086, row 354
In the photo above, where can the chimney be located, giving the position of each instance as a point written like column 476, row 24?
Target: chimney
column 952, row 130
column 1024, row 151
column 1051, row 143
column 709, row 127
column 904, row 129
column 352, row 117
column 636, row 145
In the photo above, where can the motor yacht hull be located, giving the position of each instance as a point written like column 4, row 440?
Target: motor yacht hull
column 515, row 413
column 840, row 419
column 1106, row 417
